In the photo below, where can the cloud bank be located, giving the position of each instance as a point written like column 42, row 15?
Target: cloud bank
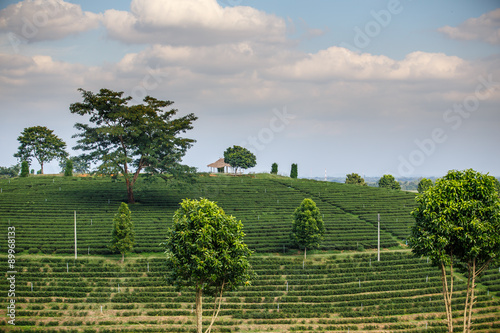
column 485, row 28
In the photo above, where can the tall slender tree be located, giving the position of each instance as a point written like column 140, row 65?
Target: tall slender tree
column 129, row 139
column 457, row 220
column 274, row 168
column 123, row 235
column 294, row 173
column 40, row 143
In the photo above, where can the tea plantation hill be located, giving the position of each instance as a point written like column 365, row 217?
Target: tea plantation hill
column 335, row 291
column 42, row 209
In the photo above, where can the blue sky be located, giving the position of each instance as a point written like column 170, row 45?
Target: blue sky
column 410, row 88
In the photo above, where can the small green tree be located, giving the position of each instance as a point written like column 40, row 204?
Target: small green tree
column 424, row 184
column 123, row 236
column 205, row 251
column 238, row 157
column 388, row 181
column 274, row 168
column 294, row 173
column 355, row 179
column 25, row 169
column 307, row 226
column 68, row 169
column 42, row 144
column 457, row 220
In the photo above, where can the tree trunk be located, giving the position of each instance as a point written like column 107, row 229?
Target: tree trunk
column 123, row 257
column 469, row 299
column 447, row 298
column 305, row 253
column 130, row 191
column 215, row 314
column 199, row 310
column 41, row 168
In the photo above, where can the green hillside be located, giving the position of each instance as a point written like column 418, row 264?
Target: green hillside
column 336, row 290
column 42, row 209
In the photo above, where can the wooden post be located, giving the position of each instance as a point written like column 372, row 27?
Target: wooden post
column 378, row 238
column 76, row 253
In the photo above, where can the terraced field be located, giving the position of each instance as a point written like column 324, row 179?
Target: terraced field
column 42, row 208
column 336, row 290
column 331, row 293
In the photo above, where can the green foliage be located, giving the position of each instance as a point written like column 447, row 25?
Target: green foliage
column 388, row 181
column 458, row 219
column 25, row 169
column 68, row 170
column 355, row 179
column 294, row 173
column 80, row 165
column 40, row 143
column 424, row 185
column 129, row 139
column 274, row 168
column 307, row 226
column 122, row 236
column 13, row 171
column 239, row 157
column 460, row 214
column 205, row 248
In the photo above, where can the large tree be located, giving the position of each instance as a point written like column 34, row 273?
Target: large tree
column 307, row 226
column 388, row 181
column 128, row 139
column 123, row 235
column 457, row 221
column 205, row 251
column 40, row 143
column 355, row 179
column 239, row 157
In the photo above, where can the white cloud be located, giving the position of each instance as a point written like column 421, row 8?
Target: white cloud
column 337, row 63
column 192, row 22
column 38, row 20
column 485, row 27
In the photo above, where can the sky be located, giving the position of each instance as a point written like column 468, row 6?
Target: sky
column 401, row 87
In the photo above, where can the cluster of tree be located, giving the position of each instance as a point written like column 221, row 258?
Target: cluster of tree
column 293, row 171
column 355, row 179
column 12, row 171
column 118, row 138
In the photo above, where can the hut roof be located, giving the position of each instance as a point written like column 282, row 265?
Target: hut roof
column 219, row 164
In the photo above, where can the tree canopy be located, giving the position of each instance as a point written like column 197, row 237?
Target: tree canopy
column 205, row 251
column 388, row 181
column 355, row 179
column 457, row 220
column 424, row 184
column 122, row 236
column 238, row 157
column 307, row 227
column 40, row 143
column 274, row 169
column 127, row 139
column 294, row 172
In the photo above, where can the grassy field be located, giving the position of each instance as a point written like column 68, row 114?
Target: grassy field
column 341, row 287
